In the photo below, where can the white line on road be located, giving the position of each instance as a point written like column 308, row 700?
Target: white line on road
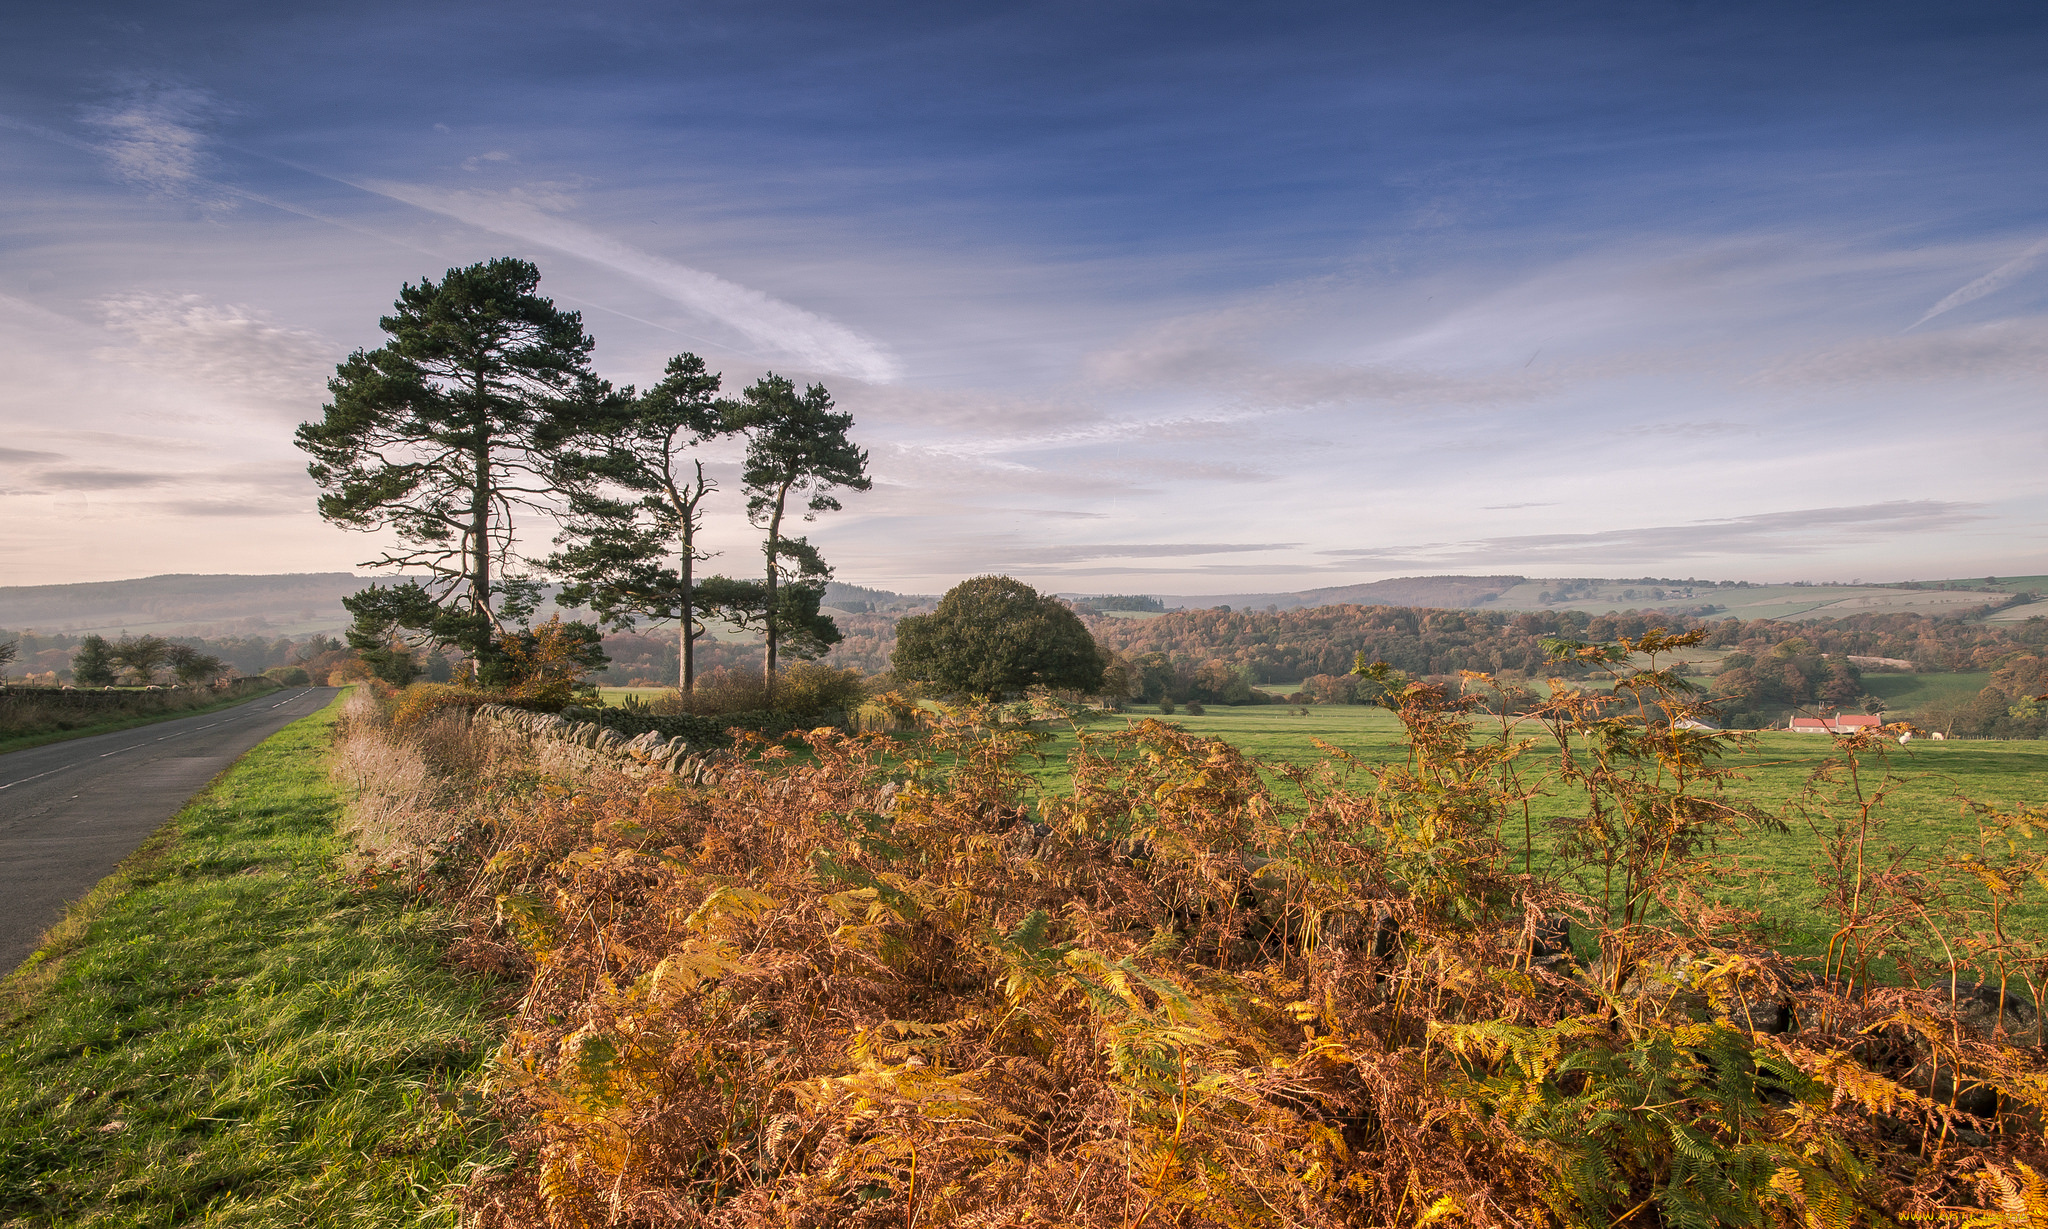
column 39, row 776
column 181, row 733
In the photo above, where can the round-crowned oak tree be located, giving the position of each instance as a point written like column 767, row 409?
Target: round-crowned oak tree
column 995, row 636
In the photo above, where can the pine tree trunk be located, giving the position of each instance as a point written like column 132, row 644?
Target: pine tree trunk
column 480, row 523
column 689, row 665
column 774, row 537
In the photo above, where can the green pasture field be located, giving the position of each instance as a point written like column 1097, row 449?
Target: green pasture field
column 617, row 695
column 230, row 1031
column 2006, row 584
column 1909, row 693
column 1768, row 871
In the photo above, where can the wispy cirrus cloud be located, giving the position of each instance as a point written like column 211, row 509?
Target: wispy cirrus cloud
column 1206, row 569
column 154, row 137
column 1137, row 550
column 1709, row 429
column 807, row 337
column 1991, row 283
column 230, row 508
column 240, row 484
column 1217, row 351
column 229, row 348
column 101, row 479
column 1799, row 532
column 2006, row 350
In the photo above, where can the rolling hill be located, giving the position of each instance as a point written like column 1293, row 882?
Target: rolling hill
column 303, row 603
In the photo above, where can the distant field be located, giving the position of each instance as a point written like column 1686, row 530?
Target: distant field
column 1757, row 602
column 2006, row 584
column 1909, row 693
column 1771, row 872
column 613, row 695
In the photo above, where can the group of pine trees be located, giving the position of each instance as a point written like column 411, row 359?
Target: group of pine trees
column 482, row 412
column 139, row 660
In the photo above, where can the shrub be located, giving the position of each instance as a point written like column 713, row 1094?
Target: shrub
column 809, row 693
column 717, row 691
column 288, row 676
column 420, row 703
column 816, row 692
column 543, row 668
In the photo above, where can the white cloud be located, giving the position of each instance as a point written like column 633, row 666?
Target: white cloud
column 1138, row 550
column 815, row 341
column 102, row 479
column 2007, row 349
column 1800, row 532
column 154, row 138
column 1991, row 283
column 227, row 348
column 1218, row 351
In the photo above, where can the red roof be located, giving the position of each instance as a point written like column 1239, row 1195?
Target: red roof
column 1835, row 725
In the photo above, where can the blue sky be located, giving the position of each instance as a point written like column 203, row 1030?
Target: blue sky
column 1173, row 298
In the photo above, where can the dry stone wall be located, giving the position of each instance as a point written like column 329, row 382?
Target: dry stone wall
column 591, row 745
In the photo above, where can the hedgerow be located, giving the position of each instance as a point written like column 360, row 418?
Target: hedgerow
column 879, row 984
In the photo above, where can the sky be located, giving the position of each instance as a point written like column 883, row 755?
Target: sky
column 1124, row 297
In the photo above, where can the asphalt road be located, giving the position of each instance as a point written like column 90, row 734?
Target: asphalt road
column 70, row 811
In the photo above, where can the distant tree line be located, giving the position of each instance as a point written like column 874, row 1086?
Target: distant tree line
column 1297, row 644
column 52, row 656
column 1132, row 602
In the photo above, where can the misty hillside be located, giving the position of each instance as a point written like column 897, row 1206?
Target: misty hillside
column 1444, row 592
column 304, row 603
column 294, row 603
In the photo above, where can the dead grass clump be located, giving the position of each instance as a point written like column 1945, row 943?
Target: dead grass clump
column 405, row 787
column 872, row 985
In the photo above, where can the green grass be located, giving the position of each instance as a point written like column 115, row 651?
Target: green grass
column 22, row 742
column 1924, row 815
column 1770, row 872
column 227, row 1031
column 616, row 695
column 1909, row 693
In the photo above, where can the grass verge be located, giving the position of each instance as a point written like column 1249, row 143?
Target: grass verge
column 22, row 742
column 228, row 1030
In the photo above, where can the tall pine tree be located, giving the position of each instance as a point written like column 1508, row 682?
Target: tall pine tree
column 445, row 432
column 796, row 446
column 628, row 557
